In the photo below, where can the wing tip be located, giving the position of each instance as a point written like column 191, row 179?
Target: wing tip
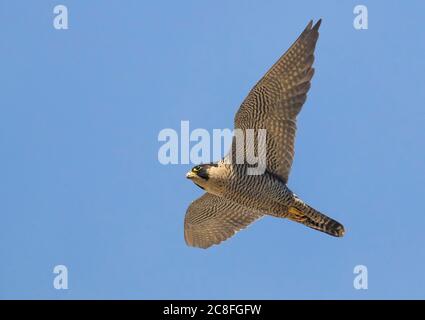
column 317, row 25
column 311, row 32
column 311, row 27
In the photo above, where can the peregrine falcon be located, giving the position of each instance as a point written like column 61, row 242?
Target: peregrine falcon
column 233, row 199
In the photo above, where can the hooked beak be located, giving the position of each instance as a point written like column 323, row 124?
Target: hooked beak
column 190, row 175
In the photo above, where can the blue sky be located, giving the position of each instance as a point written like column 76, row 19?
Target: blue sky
column 81, row 185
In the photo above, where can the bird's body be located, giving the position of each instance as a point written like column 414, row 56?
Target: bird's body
column 234, row 198
column 270, row 195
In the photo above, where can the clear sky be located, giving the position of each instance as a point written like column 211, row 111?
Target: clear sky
column 81, row 184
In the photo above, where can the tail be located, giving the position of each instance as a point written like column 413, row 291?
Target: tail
column 303, row 213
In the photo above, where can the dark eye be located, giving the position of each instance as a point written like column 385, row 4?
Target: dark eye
column 196, row 169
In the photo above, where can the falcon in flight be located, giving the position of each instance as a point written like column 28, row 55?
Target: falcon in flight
column 233, row 198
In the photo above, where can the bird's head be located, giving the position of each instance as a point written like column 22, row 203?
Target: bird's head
column 200, row 174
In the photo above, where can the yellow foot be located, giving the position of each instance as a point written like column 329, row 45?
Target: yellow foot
column 296, row 215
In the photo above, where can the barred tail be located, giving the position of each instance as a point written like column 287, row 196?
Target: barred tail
column 303, row 213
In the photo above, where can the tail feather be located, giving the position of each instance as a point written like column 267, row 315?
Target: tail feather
column 303, row 213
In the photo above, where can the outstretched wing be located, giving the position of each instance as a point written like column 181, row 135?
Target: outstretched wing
column 211, row 219
column 275, row 101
